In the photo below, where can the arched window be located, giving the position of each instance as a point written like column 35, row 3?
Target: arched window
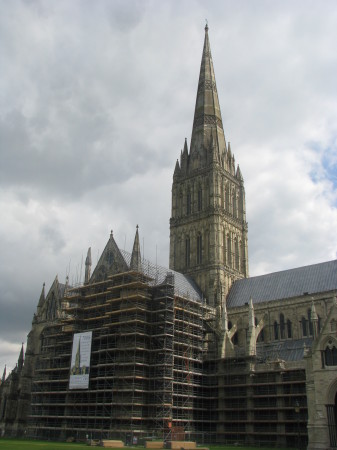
column 235, row 209
column 226, row 199
column 199, row 249
column 224, row 248
column 289, row 331
column 282, row 326
column 187, row 251
column 242, row 256
column 229, row 250
column 237, row 261
column 304, row 327
column 276, row 331
column 188, row 203
column 311, row 328
column 199, row 199
column 330, row 356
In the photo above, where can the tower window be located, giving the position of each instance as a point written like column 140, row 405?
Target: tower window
column 229, row 250
column 237, row 261
column 199, row 199
column 234, row 205
column 226, row 200
column 199, row 249
column 188, row 203
column 187, row 252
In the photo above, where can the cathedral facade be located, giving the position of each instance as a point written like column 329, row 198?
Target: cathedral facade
column 197, row 352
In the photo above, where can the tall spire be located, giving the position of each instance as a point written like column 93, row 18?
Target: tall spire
column 3, row 375
column 42, row 297
column 136, row 261
column 207, row 114
column 87, row 266
column 21, row 358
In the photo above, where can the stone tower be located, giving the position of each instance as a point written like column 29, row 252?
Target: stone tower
column 208, row 228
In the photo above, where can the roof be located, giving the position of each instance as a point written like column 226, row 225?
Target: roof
column 289, row 350
column 184, row 286
column 290, row 283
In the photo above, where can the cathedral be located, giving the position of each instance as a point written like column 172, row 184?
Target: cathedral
column 198, row 351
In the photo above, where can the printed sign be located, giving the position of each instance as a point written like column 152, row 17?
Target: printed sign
column 80, row 361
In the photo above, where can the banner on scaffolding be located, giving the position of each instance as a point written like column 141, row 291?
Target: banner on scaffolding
column 80, row 361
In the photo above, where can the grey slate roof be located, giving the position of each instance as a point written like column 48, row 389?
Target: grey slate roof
column 286, row 284
column 184, row 286
column 289, row 350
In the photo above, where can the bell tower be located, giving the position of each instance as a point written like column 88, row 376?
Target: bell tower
column 208, row 228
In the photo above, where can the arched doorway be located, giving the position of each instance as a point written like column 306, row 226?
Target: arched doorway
column 331, row 410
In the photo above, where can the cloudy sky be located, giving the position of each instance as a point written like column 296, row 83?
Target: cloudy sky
column 96, row 98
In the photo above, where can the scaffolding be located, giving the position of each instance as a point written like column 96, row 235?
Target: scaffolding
column 261, row 403
column 146, row 370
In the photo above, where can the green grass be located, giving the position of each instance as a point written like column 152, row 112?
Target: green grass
column 18, row 444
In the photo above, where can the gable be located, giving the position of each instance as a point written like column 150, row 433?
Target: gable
column 110, row 262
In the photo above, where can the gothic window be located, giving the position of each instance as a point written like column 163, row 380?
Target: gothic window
column 330, row 356
column 304, row 327
column 187, row 251
column 282, row 326
column 229, row 250
column 199, row 199
column 276, row 336
column 222, row 193
column 333, row 325
column 199, row 249
column 242, row 257
column 289, row 331
column 311, row 329
column 226, row 199
column 234, row 205
column 188, row 203
column 181, row 204
column 224, row 248
column 237, row 262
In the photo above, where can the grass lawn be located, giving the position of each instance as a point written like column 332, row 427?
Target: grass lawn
column 18, row 444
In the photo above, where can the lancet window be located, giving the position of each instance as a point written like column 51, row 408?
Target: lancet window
column 199, row 199
column 330, row 356
column 187, row 251
column 282, row 326
column 199, row 249
column 188, row 203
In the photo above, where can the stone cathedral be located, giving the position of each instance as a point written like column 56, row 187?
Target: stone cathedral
column 196, row 353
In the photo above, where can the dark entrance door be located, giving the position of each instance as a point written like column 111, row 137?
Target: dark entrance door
column 332, row 422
